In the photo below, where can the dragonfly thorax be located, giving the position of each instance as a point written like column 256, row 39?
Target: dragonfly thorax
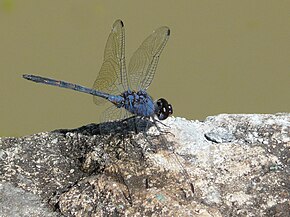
column 138, row 103
column 141, row 104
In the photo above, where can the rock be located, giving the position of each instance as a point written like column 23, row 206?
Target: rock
column 18, row 202
column 227, row 165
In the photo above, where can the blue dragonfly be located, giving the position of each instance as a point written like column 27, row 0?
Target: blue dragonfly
column 125, row 89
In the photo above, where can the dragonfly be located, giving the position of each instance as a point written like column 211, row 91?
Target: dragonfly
column 125, row 89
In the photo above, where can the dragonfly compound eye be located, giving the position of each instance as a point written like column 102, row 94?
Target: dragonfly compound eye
column 163, row 109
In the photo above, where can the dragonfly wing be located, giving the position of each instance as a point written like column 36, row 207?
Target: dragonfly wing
column 112, row 77
column 114, row 113
column 144, row 61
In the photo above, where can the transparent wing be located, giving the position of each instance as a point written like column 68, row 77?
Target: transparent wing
column 144, row 61
column 114, row 113
column 112, row 77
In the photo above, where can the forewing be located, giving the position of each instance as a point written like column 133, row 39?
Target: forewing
column 144, row 61
column 112, row 77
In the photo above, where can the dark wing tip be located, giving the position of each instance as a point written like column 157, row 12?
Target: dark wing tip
column 118, row 22
column 122, row 23
column 168, row 32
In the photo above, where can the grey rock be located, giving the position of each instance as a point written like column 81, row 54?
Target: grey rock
column 18, row 202
column 227, row 165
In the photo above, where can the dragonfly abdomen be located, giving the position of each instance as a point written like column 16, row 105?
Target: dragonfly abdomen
column 64, row 84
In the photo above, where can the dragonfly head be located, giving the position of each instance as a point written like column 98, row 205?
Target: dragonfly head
column 162, row 109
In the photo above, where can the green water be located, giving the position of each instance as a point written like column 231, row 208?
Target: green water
column 222, row 57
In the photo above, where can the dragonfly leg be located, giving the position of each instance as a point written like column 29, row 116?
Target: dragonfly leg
column 155, row 121
column 129, row 118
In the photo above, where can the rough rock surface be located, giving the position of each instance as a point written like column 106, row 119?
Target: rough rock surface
column 227, row 165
